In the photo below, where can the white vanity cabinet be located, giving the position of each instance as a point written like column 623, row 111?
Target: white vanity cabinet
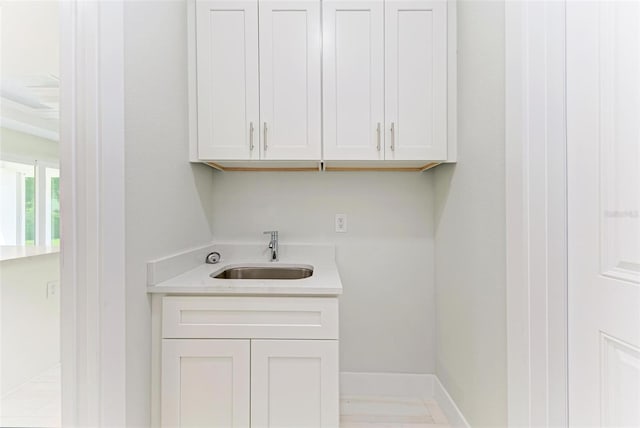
column 385, row 70
column 249, row 361
column 257, row 83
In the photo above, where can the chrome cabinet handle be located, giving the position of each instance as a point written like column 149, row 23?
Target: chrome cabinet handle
column 378, row 131
column 251, row 136
column 393, row 136
column 265, row 136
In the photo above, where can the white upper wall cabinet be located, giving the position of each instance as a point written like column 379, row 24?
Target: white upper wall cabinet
column 364, row 84
column 353, row 79
column 416, row 79
column 290, row 42
column 227, row 79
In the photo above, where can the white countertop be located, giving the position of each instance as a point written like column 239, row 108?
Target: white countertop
column 12, row 252
column 168, row 275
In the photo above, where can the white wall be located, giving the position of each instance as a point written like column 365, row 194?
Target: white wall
column 30, row 322
column 168, row 200
column 470, row 226
column 385, row 259
column 30, row 38
column 30, row 27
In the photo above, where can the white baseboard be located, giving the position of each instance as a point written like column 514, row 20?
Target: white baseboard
column 403, row 385
column 448, row 406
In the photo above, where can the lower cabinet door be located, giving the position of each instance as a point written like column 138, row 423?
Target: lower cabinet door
column 294, row 383
column 205, row 383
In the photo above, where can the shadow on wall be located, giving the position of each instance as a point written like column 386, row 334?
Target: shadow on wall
column 202, row 175
column 303, row 205
column 443, row 178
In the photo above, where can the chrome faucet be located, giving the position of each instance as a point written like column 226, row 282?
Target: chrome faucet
column 273, row 245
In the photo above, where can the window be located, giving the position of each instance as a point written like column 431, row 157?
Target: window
column 30, row 204
column 52, row 206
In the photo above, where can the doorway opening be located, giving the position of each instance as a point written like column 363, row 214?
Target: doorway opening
column 30, row 385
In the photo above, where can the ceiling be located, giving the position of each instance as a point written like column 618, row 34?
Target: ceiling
column 29, row 88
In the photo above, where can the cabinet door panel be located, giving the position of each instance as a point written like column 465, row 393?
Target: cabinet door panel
column 227, row 69
column 353, row 85
column 416, row 79
column 290, row 79
column 294, row 383
column 205, row 383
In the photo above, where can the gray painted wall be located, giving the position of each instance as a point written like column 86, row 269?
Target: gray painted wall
column 470, row 227
column 168, row 200
column 385, row 260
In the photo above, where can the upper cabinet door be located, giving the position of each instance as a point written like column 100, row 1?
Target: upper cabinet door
column 290, row 43
column 416, row 79
column 353, row 91
column 227, row 68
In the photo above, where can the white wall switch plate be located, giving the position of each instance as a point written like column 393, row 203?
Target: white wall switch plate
column 341, row 223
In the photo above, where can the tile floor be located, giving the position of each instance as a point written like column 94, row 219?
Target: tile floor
column 33, row 404
column 37, row 404
column 390, row 412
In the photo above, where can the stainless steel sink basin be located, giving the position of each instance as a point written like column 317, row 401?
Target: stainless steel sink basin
column 264, row 272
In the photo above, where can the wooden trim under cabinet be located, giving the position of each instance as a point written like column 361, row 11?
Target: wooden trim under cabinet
column 260, row 169
column 382, row 168
column 323, row 167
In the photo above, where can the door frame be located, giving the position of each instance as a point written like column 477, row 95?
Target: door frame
column 93, row 352
column 536, row 213
column 92, row 202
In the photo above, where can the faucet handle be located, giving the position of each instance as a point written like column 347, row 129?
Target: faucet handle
column 271, row 232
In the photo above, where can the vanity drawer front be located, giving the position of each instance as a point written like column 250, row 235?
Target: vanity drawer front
column 250, row 317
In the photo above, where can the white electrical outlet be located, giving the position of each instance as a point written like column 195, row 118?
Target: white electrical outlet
column 52, row 289
column 341, row 223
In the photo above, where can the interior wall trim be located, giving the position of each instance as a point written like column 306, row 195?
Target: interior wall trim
column 536, row 213
column 92, row 198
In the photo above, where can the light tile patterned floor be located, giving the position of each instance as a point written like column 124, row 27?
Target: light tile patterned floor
column 35, row 403
column 390, row 412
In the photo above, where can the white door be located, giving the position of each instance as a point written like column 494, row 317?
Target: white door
column 205, row 383
column 353, row 79
column 294, row 383
column 290, row 44
column 227, row 69
column 603, row 139
column 416, row 79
